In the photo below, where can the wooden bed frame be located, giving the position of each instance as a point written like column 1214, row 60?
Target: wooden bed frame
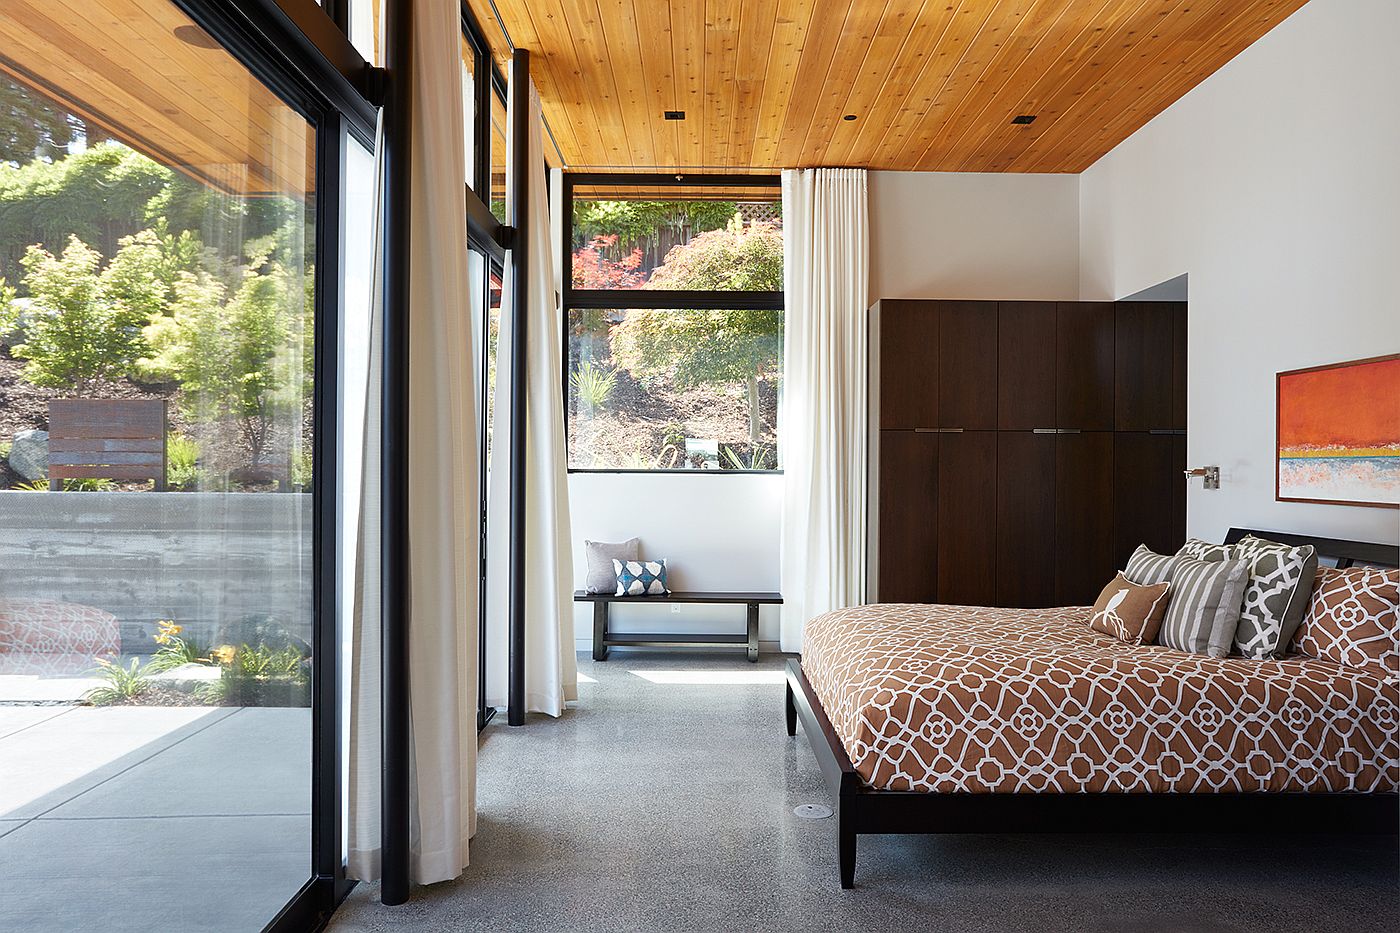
column 861, row 810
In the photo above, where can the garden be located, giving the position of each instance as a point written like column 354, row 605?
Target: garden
column 675, row 388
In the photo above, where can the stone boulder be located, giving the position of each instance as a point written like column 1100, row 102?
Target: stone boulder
column 29, row 454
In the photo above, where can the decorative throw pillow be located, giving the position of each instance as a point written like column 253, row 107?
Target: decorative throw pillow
column 1354, row 619
column 599, row 556
column 1280, row 586
column 1196, row 549
column 640, row 577
column 1205, row 606
column 1128, row 612
column 1147, row 567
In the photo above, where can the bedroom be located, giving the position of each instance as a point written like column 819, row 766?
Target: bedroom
column 1000, row 395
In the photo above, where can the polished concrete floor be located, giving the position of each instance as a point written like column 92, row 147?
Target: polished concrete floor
column 144, row 819
column 664, row 803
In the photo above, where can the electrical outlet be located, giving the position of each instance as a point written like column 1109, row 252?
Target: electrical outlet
column 675, row 610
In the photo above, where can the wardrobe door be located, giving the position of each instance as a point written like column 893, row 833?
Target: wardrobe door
column 1084, row 534
column 1148, row 493
column 1084, row 372
column 908, row 364
column 1143, row 364
column 1025, row 519
column 967, row 502
column 908, row 516
column 967, row 365
column 1178, row 313
column 1025, row 365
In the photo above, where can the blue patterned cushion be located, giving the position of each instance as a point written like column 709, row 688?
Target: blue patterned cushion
column 640, row 577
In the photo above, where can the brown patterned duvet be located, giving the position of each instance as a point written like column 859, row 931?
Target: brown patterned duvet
column 957, row 699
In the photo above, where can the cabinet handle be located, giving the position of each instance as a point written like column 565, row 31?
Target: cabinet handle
column 1044, row 431
column 950, row 430
column 1067, row 431
column 925, row 430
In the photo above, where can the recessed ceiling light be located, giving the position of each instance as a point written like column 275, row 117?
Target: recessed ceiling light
column 849, row 116
column 1024, row 119
column 193, row 35
column 675, row 114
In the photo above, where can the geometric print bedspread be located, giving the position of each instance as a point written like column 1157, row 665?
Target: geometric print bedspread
column 954, row 699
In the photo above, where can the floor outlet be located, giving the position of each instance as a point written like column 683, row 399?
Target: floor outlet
column 812, row 811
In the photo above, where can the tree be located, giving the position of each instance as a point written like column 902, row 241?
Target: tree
column 711, row 346
column 247, row 357
column 31, row 127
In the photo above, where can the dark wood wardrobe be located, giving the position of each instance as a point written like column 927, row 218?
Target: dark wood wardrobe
column 1024, row 447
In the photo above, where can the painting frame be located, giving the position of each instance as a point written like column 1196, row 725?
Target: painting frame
column 1279, row 428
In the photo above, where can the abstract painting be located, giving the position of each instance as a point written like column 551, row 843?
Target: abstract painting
column 1339, row 433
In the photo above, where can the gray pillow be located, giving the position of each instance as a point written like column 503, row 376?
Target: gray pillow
column 1147, row 568
column 1197, row 549
column 599, row 556
column 1280, row 586
column 1204, row 611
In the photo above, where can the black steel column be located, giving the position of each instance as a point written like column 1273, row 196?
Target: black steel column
column 398, row 125
column 518, row 205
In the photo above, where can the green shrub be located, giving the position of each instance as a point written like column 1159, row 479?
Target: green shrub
column 182, row 469
column 175, row 650
column 121, row 683
column 592, row 384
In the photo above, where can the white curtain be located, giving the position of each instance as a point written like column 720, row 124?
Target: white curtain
column 442, row 496
column 825, row 273
column 551, row 669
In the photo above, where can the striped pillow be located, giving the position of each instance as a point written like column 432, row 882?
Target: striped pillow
column 1205, row 605
column 1146, row 567
column 1197, row 549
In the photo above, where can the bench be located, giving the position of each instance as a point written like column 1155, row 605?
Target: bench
column 103, row 438
column 603, row 639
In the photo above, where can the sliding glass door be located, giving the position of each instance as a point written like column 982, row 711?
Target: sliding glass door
column 174, row 485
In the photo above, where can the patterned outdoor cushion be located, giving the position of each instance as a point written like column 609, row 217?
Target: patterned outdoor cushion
column 640, row 577
column 1128, row 612
column 1197, row 549
column 46, row 636
column 1147, row 567
column 1280, row 584
column 1354, row 619
column 1205, row 605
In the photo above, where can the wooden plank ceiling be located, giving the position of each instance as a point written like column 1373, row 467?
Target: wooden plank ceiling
column 185, row 102
column 933, row 84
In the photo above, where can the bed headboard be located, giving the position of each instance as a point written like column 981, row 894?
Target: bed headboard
column 1344, row 553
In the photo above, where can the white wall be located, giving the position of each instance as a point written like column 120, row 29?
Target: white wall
column 1275, row 185
column 955, row 235
column 717, row 532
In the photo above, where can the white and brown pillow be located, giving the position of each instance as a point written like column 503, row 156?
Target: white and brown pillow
column 1129, row 612
column 1280, row 585
column 1354, row 619
column 1205, row 605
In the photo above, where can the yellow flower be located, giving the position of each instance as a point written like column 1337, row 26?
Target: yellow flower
column 223, row 654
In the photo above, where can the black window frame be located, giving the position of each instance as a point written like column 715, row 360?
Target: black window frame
column 578, row 299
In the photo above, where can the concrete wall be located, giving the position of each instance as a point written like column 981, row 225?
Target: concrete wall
column 1274, row 186
column 207, row 560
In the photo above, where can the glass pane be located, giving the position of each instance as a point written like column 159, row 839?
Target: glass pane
column 493, row 308
column 674, row 390
column 498, row 158
column 366, row 25
column 709, row 245
column 157, row 427
column 469, row 107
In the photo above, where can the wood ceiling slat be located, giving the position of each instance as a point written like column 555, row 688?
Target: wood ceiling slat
column 933, row 83
column 1136, row 104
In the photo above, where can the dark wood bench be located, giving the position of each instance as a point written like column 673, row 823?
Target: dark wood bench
column 105, row 438
column 603, row 639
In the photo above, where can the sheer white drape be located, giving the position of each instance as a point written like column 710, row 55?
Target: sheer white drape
column 825, row 273
column 443, row 488
column 551, row 669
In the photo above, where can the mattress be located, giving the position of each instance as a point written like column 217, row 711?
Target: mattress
column 954, row 699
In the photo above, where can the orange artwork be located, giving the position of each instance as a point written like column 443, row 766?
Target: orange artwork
column 1339, row 433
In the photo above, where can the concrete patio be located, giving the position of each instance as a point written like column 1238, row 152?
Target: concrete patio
column 151, row 818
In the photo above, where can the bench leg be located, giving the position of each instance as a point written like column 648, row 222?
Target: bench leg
column 753, row 632
column 846, row 831
column 600, row 631
column 791, row 711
